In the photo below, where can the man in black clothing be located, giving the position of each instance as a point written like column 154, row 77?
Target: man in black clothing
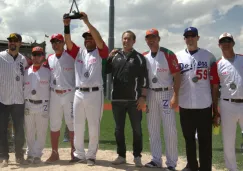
column 130, row 81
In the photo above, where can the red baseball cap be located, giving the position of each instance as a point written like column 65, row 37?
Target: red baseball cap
column 37, row 49
column 152, row 31
column 57, row 36
column 86, row 33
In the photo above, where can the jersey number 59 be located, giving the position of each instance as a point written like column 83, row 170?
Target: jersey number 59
column 202, row 74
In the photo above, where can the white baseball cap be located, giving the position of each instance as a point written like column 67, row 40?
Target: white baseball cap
column 224, row 35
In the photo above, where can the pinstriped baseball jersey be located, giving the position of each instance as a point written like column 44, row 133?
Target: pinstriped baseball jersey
column 62, row 71
column 230, row 77
column 12, row 78
column 88, row 66
column 37, row 84
column 195, row 91
column 162, row 66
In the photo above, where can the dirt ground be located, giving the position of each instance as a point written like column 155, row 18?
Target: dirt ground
column 103, row 163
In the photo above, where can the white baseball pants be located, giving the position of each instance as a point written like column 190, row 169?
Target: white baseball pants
column 61, row 104
column 231, row 113
column 36, row 124
column 87, row 105
column 158, row 109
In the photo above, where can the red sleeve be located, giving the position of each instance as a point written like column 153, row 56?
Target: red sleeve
column 74, row 51
column 104, row 53
column 214, row 77
column 173, row 63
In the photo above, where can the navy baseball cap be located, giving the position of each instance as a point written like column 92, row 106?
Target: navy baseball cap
column 191, row 29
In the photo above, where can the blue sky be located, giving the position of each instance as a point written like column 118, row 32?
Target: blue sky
column 35, row 18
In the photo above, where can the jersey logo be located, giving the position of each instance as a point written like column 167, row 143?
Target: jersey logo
column 162, row 70
column 44, row 82
column 225, row 73
column 67, row 69
column 80, row 61
column 131, row 60
column 165, row 104
column 92, row 61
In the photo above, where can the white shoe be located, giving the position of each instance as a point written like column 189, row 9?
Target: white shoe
column 119, row 160
column 137, row 161
column 4, row 163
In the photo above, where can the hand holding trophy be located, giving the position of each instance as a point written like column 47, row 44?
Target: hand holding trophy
column 73, row 14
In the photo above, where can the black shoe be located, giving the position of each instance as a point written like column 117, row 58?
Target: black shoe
column 170, row 168
column 22, row 161
column 152, row 164
column 90, row 162
column 77, row 160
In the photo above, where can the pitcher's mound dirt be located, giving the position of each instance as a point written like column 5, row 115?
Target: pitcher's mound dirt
column 103, row 163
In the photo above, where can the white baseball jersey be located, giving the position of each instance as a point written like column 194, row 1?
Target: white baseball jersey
column 88, row 66
column 161, row 67
column 62, row 71
column 37, row 83
column 12, row 78
column 227, row 73
column 195, row 90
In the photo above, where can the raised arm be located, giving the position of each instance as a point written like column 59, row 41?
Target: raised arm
column 72, row 49
column 93, row 31
column 67, row 35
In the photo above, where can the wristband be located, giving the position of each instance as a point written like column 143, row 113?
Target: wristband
column 67, row 29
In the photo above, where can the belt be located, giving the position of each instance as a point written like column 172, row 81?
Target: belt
column 60, row 91
column 36, row 101
column 88, row 89
column 234, row 100
column 160, row 89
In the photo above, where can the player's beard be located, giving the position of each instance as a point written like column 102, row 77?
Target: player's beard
column 12, row 47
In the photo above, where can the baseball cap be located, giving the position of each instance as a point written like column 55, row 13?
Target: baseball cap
column 191, row 29
column 57, row 36
column 37, row 49
column 152, row 31
column 86, row 33
column 15, row 36
column 226, row 35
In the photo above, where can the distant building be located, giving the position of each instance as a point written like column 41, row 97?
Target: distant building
column 25, row 48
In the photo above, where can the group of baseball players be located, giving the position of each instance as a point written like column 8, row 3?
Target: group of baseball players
column 70, row 83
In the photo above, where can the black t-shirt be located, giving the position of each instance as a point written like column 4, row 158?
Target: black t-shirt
column 129, row 73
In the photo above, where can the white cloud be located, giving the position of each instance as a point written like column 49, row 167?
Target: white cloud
column 35, row 18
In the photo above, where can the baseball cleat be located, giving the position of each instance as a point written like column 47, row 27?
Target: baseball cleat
column 119, row 160
column 77, row 160
column 152, row 164
column 90, row 162
column 53, row 158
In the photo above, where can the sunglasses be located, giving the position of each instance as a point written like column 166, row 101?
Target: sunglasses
column 225, row 40
column 13, row 40
column 56, row 42
column 190, row 35
column 37, row 54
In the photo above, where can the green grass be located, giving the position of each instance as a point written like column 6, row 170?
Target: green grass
column 107, row 139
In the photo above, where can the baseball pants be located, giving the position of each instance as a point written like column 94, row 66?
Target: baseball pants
column 199, row 120
column 87, row 105
column 119, row 109
column 36, row 124
column 231, row 113
column 159, row 109
column 17, row 113
column 61, row 104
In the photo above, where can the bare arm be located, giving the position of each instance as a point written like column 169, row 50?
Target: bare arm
column 215, row 95
column 93, row 31
column 176, row 86
column 67, row 35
